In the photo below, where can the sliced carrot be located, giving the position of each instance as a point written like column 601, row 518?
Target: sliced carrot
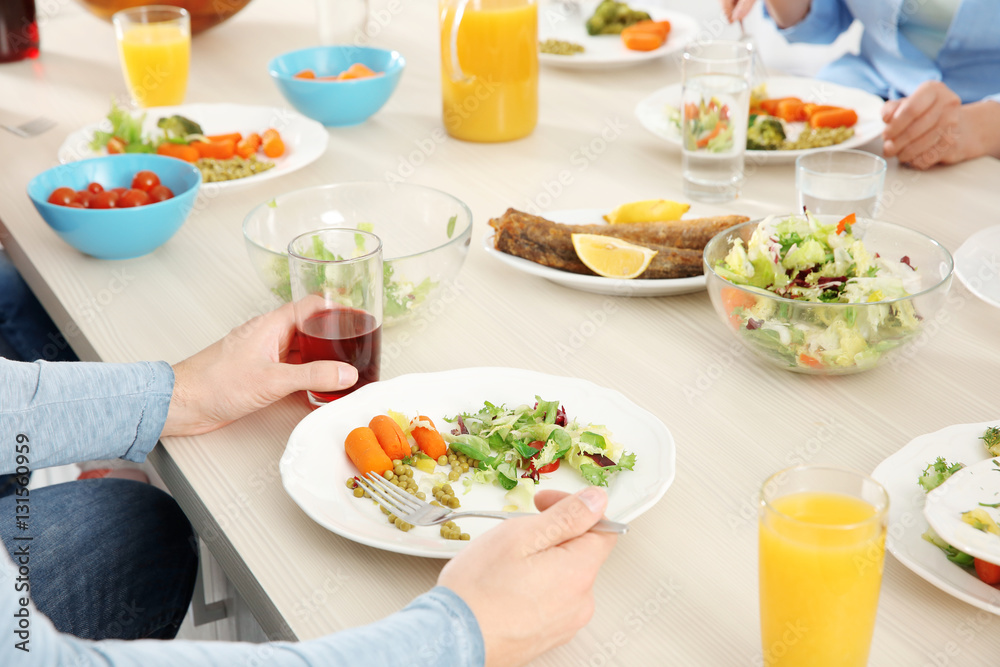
column 791, row 110
column 719, row 127
column 848, row 220
column 770, row 106
column 365, row 453
column 360, row 70
column 429, row 440
column 390, row 437
column 272, row 144
column 179, row 151
column 661, row 28
column 215, row 150
column 305, row 74
column 810, row 362
column 834, row 118
column 235, row 136
column 639, row 39
column 249, row 145
column 734, row 300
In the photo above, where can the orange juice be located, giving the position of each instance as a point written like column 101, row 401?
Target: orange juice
column 155, row 59
column 492, row 95
column 821, row 557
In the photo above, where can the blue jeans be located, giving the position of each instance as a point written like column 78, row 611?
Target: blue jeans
column 109, row 558
column 26, row 331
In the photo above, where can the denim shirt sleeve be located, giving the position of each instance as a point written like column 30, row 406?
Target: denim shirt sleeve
column 74, row 411
column 824, row 23
column 437, row 629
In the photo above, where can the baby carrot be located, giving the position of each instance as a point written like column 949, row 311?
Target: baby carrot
column 429, row 440
column 235, row 136
column 834, row 118
column 364, row 451
column 637, row 39
column 216, row 150
column 179, row 151
column 791, row 110
column 770, row 106
column 272, row 143
column 248, row 146
column 390, row 437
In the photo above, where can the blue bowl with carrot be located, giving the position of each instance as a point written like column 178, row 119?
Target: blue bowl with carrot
column 337, row 85
column 107, row 231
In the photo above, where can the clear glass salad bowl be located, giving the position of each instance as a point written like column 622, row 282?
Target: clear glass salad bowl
column 834, row 338
column 425, row 237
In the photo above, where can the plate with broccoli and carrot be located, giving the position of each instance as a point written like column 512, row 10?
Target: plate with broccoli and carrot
column 472, row 439
column 788, row 117
column 231, row 144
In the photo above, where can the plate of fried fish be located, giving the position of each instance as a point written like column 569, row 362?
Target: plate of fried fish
column 543, row 246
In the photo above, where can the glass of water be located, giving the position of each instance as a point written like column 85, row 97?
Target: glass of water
column 715, row 104
column 840, row 182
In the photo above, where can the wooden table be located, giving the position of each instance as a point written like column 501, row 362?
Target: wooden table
column 681, row 587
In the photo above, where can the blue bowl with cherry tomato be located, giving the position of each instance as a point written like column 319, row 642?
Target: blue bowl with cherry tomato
column 116, row 206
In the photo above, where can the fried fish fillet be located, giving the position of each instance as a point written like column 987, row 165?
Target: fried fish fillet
column 550, row 244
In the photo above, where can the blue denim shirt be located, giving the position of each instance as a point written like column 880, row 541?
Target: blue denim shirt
column 70, row 412
column 890, row 66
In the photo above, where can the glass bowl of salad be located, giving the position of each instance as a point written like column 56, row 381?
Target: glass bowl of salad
column 823, row 294
column 425, row 237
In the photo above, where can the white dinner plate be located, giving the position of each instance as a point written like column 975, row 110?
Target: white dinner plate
column 964, row 491
column 898, row 474
column 977, row 264
column 305, row 140
column 652, row 112
column 566, row 21
column 594, row 284
column 314, row 466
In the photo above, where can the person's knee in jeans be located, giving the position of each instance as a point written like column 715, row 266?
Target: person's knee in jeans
column 27, row 332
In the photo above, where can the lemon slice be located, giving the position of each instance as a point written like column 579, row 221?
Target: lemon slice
column 610, row 257
column 650, row 210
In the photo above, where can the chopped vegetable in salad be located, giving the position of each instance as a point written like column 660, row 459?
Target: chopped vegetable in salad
column 707, row 126
column 801, row 259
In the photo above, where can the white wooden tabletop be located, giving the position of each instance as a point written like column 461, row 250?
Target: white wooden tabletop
column 681, row 588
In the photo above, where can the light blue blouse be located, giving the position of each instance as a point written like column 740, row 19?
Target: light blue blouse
column 889, row 65
column 70, row 412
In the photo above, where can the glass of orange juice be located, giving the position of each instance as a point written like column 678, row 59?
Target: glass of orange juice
column 489, row 68
column 154, row 44
column 822, row 548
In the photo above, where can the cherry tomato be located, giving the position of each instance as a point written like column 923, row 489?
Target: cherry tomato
column 133, row 198
column 547, row 468
column 119, row 191
column 75, row 204
column 106, row 199
column 94, row 188
column 115, row 146
column 160, row 193
column 83, row 197
column 62, row 196
column 145, row 181
column 988, row 572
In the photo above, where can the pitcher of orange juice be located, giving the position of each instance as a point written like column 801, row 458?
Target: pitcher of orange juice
column 489, row 68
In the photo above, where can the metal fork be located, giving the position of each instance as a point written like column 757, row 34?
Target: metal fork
column 414, row 511
column 31, row 128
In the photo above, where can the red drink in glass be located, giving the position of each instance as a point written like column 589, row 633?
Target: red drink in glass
column 343, row 334
column 18, row 30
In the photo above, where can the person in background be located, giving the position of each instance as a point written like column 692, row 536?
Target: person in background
column 937, row 62
column 516, row 591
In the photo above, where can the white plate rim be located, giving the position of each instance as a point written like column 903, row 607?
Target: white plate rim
column 665, row 447
column 595, row 284
column 646, row 112
column 313, row 145
column 898, row 474
column 683, row 30
column 964, row 255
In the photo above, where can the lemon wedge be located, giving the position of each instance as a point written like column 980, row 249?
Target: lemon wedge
column 610, row 257
column 650, row 210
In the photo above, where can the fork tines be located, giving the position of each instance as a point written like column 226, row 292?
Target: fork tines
column 388, row 496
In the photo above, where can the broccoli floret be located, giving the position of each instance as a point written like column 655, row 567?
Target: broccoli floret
column 766, row 134
column 179, row 127
column 611, row 17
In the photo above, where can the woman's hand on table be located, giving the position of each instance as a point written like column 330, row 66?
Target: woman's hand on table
column 530, row 581
column 932, row 126
column 255, row 365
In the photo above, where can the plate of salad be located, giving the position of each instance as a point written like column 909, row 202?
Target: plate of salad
column 508, row 433
column 231, row 144
column 590, row 37
column 923, row 465
column 660, row 114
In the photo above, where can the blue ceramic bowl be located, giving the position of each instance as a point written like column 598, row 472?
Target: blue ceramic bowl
column 337, row 103
column 117, row 233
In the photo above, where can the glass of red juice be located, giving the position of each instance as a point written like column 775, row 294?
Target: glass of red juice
column 18, row 30
column 336, row 278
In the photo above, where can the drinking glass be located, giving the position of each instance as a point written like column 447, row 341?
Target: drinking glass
column 489, row 68
column 336, row 279
column 18, row 30
column 154, row 45
column 822, row 547
column 715, row 106
column 840, row 182
column 342, row 21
